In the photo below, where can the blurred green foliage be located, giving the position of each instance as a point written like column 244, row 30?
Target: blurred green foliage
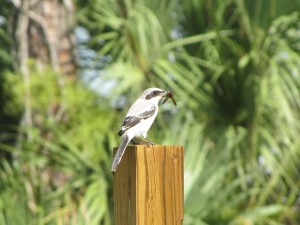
column 234, row 68
column 60, row 173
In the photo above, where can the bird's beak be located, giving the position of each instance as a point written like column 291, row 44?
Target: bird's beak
column 165, row 94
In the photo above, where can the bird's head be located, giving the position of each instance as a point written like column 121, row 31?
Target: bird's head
column 153, row 94
column 156, row 94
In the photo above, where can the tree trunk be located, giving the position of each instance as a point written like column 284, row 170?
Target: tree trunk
column 48, row 37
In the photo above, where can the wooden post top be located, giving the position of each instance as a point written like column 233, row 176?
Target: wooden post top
column 148, row 186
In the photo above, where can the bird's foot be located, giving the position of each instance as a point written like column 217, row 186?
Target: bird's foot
column 149, row 142
column 141, row 141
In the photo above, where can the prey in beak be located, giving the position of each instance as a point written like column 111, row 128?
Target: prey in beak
column 167, row 95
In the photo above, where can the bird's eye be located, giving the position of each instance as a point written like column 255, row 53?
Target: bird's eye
column 152, row 95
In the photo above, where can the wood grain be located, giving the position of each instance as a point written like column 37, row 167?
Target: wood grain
column 148, row 186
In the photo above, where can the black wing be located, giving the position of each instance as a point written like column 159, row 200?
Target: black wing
column 133, row 120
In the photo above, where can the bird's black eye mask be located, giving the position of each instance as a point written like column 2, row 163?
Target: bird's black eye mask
column 153, row 94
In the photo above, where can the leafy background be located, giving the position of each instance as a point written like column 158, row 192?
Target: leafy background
column 234, row 68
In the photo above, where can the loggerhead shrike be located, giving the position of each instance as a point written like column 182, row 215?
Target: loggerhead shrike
column 139, row 119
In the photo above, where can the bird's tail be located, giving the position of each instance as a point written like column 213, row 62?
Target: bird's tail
column 119, row 153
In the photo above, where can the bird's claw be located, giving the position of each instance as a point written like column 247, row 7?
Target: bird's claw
column 149, row 142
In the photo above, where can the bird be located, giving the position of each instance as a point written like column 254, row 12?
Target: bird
column 138, row 120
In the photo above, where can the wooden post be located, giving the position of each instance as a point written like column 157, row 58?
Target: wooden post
column 148, row 186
